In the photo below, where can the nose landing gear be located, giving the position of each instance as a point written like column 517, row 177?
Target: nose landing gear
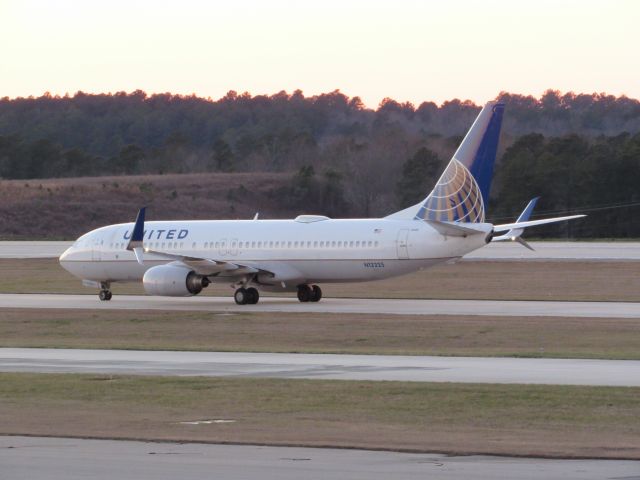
column 105, row 295
column 105, row 292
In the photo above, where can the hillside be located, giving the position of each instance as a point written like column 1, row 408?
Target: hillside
column 66, row 208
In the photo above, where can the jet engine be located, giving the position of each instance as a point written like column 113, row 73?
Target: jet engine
column 173, row 281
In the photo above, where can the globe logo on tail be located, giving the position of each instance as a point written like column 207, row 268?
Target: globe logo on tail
column 455, row 198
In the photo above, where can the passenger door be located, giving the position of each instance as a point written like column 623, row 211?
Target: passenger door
column 96, row 249
column 402, row 243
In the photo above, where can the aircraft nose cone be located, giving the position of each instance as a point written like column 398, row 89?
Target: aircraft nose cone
column 65, row 257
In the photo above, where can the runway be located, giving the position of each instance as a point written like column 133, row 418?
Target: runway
column 618, row 251
column 330, row 305
column 324, row 366
column 48, row 458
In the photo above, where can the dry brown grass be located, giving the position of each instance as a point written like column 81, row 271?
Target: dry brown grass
column 323, row 333
column 588, row 281
column 69, row 207
column 556, row 421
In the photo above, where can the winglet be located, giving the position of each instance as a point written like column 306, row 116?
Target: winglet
column 526, row 213
column 135, row 243
column 514, row 234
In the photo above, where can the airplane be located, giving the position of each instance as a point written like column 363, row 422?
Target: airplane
column 181, row 258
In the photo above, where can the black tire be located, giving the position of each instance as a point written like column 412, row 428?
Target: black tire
column 304, row 293
column 241, row 296
column 316, row 293
column 104, row 295
column 109, row 295
column 254, row 296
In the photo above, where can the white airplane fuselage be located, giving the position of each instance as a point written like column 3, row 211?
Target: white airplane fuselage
column 306, row 250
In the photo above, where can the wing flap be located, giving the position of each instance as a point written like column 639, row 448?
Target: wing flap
column 208, row 266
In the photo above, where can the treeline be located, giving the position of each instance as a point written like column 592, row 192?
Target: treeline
column 577, row 151
column 274, row 129
column 573, row 174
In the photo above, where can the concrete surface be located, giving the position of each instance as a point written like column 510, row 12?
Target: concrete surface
column 559, row 251
column 35, row 249
column 494, row 251
column 330, row 305
column 37, row 458
column 324, row 366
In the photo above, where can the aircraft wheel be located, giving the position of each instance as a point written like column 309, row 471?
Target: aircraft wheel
column 254, row 296
column 304, row 293
column 105, row 295
column 316, row 293
column 241, row 296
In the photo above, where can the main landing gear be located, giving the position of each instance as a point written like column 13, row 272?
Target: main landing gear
column 250, row 296
column 308, row 293
column 246, row 296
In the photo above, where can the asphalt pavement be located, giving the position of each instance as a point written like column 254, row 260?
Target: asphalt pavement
column 40, row 458
column 494, row 308
column 620, row 251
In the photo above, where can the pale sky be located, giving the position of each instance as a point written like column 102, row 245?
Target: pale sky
column 407, row 50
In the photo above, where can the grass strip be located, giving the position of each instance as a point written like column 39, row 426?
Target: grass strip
column 534, row 337
column 551, row 421
column 486, row 280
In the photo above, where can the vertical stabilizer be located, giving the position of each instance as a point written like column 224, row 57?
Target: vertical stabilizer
column 463, row 189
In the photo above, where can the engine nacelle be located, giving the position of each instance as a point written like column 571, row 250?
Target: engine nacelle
column 173, row 281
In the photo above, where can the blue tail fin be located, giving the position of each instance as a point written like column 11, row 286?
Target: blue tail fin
column 463, row 189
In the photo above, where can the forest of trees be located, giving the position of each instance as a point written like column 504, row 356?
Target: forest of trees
column 578, row 152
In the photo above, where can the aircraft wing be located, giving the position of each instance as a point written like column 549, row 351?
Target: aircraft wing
column 454, row 229
column 203, row 266
column 206, row 266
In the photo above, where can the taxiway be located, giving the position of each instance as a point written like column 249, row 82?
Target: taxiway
column 550, row 371
column 331, row 305
column 622, row 251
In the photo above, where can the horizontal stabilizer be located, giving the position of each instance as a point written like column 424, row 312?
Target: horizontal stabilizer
column 450, row 229
column 532, row 223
